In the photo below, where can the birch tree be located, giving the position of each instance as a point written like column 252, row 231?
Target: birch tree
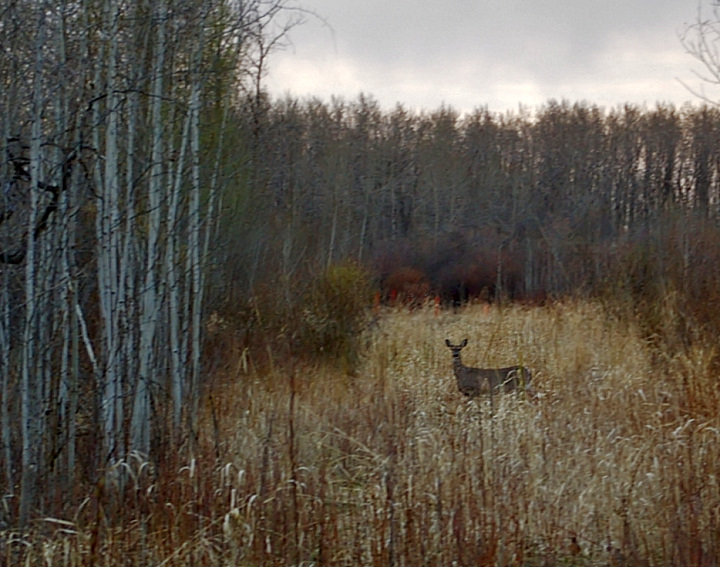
column 105, row 121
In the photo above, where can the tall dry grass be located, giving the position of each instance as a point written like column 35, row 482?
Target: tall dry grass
column 301, row 465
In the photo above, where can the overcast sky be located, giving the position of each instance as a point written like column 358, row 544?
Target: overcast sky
column 494, row 53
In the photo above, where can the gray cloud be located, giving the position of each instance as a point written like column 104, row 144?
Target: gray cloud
column 496, row 52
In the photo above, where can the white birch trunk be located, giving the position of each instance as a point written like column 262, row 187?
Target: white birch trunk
column 128, row 260
column 107, row 225
column 194, row 251
column 177, row 349
column 28, row 393
column 149, row 306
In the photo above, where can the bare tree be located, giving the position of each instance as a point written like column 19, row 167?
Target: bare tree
column 701, row 39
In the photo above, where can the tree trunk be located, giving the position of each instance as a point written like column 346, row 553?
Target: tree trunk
column 29, row 399
column 150, row 307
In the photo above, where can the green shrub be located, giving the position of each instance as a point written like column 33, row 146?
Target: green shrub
column 334, row 314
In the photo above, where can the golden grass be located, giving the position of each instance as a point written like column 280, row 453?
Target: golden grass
column 302, row 465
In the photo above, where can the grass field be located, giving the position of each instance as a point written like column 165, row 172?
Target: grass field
column 303, row 465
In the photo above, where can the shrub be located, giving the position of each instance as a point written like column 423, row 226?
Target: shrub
column 334, row 313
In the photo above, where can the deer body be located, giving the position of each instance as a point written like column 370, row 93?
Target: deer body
column 475, row 381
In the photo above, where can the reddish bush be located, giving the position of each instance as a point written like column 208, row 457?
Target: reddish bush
column 408, row 285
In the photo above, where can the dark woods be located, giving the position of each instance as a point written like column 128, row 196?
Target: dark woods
column 571, row 199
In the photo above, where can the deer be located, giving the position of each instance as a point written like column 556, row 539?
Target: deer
column 475, row 381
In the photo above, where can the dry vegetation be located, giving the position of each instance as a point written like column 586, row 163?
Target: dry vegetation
column 303, row 465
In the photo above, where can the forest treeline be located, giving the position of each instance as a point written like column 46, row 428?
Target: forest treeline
column 159, row 209
column 551, row 202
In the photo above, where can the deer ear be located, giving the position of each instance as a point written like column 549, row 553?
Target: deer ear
column 447, row 342
column 464, row 343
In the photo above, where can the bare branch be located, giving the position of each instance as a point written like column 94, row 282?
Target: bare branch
column 17, row 255
column 701, row 40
